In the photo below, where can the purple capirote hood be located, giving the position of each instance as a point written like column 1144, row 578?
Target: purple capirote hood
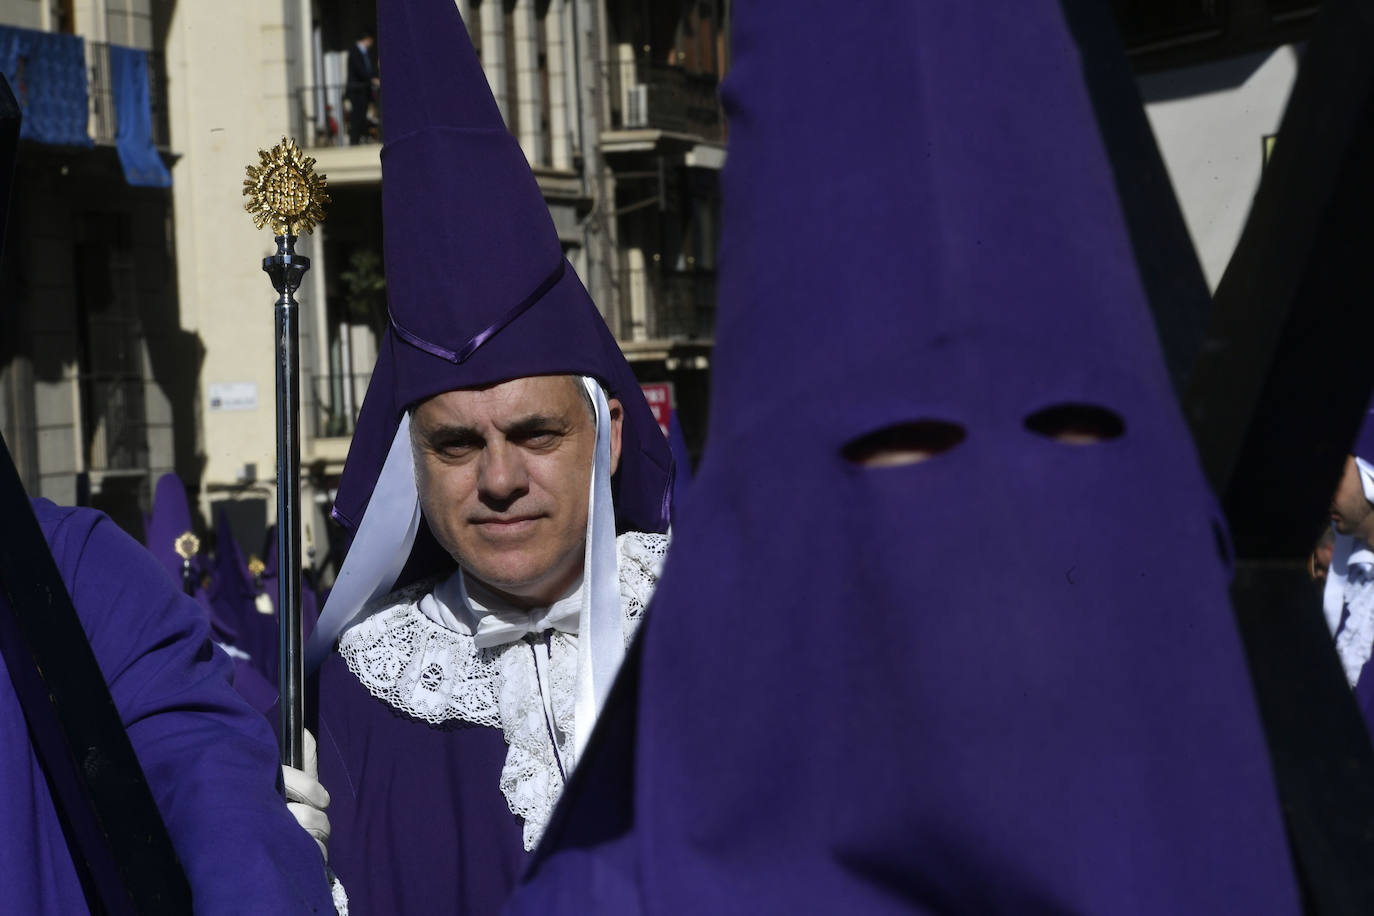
column 1003, row 679
column 170, row 519
column 477, row 286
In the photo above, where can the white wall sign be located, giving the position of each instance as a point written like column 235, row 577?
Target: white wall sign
column 233, row 395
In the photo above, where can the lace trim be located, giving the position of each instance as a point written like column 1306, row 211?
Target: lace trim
column 338, row 894
column 1355, row 642
column 438, row 675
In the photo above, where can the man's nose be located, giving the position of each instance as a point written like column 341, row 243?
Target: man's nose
column 502, row 476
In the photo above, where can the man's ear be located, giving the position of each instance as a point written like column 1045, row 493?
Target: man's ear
column 617, row 421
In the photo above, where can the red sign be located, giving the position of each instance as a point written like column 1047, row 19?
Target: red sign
column 660, row 398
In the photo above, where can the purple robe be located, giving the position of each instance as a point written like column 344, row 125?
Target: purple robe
column 419, row 822
column 1004, row 679
column 209, row 759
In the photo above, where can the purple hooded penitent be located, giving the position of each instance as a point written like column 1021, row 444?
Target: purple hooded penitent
column 209, row 759
column 479, row 293
column 1003, row 679
column 170, row 519
column 477, row 286
column 234, row 597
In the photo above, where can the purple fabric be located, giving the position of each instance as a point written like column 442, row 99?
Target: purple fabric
column 1364, row 439
column 1005, row 679
column 682, row 461
column 310, row 602
column 209, row 759
column 419, row 823
column 232, row 597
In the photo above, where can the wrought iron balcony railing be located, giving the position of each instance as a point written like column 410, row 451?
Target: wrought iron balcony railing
column 323, row 114
column 337, row 399
column 663, row 97
column 667, row 304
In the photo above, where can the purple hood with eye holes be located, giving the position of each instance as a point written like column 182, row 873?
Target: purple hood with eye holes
column 1005, row 679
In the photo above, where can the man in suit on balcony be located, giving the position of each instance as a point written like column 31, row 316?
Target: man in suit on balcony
column 362, row 81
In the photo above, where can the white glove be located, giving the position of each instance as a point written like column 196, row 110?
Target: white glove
column 306, row 798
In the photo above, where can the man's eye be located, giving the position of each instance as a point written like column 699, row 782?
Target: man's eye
column 539, row 439
column 456, row 448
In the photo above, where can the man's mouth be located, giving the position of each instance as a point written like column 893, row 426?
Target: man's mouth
column 505, row 522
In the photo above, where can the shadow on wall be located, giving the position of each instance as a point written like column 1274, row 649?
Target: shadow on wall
column 98, row 378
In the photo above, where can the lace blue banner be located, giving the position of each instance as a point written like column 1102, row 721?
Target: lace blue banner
column 47, row 72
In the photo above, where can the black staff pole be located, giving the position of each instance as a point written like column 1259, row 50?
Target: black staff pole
column 286, row 193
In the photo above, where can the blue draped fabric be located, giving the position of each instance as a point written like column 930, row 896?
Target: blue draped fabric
column 48, row 74
column 143, row 167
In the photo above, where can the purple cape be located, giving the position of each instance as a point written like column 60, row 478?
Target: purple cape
column 209, row 759
column 1003, row 679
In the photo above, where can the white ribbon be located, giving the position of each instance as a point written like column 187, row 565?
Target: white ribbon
column 1356, row 639
column 498, row 627
column 601, row 643
column 1366, row 478
column 1333, row 592
column 380, row 548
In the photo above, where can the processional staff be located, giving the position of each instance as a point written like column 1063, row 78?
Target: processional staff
column 285, row 193
column 187, row 546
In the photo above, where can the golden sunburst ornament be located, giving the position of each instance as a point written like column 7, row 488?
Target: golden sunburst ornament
column 284, row 192
column 256, row 567
column 187, row 545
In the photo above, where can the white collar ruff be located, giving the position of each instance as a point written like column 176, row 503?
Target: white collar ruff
column 418, row 653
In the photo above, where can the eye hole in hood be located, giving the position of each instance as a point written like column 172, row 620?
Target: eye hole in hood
column 903, row 443
column 1077, row 424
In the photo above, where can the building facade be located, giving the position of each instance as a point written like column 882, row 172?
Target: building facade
column 93, row 354
column 136, row 330
column 139, row 329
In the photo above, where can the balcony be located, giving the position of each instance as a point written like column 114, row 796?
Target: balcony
column 667, row 304
column 323, row 114
column 337, row 399
column 104, row 121
column 664, row 98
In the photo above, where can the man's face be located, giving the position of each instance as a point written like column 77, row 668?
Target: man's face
column 503, row 475
column 1349, row 508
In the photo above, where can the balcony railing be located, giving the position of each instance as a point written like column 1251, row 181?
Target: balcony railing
column 104, row 121
column 115, row 421
column 667, row 304
column 323, row 114
column 662, row 97
column 337, row 400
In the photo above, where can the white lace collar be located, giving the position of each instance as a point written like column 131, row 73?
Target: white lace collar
column 418, row 655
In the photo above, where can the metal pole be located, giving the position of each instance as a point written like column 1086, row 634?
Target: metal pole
column 286, row 269
column 284, row 192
